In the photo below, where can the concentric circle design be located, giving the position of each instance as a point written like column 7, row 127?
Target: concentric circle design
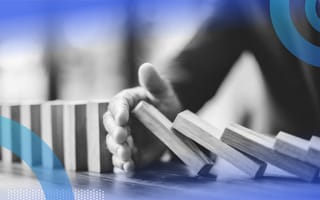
column 288, row 34
column 55, row 183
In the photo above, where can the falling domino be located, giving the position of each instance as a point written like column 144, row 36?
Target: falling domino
column 296, row 147
column 208, row 136
column 313, row 155
column 30, row 147
column 99, row 158
column 161, row 127
column 74, row 136
column 261, row 146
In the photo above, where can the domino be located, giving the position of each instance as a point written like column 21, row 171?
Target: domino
column 51, row 132
column 74, row 136
column 11, row 112
column 161, row 127
column 6, row 156
column 208, row 136
column 99, row 158
column 16, row 140
column 1, row 132
column 291, row 145
column 299, row 148
column 31, row 118
column 313, row 155
column 261, row 146
column 57, row 130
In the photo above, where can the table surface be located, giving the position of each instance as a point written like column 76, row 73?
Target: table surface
column 168, row 181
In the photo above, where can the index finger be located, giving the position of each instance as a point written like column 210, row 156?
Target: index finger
column 123, row 102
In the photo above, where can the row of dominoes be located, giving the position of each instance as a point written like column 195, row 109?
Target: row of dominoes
column 74, row 130
column 245, row 149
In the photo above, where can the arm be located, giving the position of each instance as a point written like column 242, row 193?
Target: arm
column 198, row 71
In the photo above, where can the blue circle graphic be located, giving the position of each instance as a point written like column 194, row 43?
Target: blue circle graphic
column 55, row 183
column 288, row 34
column 312, row 16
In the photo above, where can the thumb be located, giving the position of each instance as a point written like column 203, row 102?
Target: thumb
column 150, row 79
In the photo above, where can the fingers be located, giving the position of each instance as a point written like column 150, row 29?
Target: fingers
column 118, row 163
column 124, row 167
column 150, row 79
column 122, row 153
column 112, row 145
column 128, row 166
column 116, row 120
column 118, row 133
column 123, row 102
column 131, row 144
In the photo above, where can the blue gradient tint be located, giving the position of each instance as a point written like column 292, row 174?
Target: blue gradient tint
column 289, row 35
column 312, row 16
column 60, row 188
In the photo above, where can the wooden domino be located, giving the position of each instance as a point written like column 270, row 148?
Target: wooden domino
column 291, row 145
column 299, row 148
column 261, row 146
column 161, row 127
column 1, row 132
column 31, row 118
column 12, row 112
column 208, row 136
column 99, row 158
column 51, row 129
column 7, row 156
column 74, row 136
column 313, row 155
column 16, row 140
column 57, row 130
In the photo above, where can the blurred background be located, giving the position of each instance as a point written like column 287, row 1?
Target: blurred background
column 92, row 50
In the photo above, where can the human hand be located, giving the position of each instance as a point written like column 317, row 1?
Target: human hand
column 128, row 140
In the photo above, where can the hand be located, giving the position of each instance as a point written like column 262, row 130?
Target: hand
column 130, row 144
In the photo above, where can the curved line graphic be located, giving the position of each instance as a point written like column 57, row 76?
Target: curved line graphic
column 289, row 36
column 311, row 12
column 55, row 183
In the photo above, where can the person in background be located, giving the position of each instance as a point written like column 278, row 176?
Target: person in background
column 198, row 71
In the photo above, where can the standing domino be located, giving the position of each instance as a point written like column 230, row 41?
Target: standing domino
column 99, row 158
column 74, row 136
column 30, row 147
column 51, row 132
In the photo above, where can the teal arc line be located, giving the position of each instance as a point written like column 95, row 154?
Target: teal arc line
column 311, row 12
column 288, row 34
column 59, row 176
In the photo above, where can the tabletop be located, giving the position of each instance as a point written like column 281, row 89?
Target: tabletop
column 163, row 181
